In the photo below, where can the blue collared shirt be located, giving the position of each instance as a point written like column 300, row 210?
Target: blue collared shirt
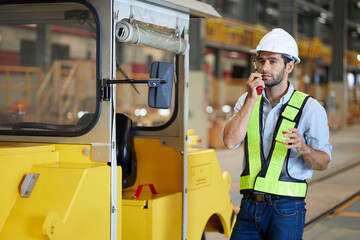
column 313, row 127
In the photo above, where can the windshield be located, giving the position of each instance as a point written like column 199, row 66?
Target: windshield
column 47, row 68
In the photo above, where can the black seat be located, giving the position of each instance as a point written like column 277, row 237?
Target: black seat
column 125, row 152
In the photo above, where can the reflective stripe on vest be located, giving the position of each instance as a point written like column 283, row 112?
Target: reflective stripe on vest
column 254, row 154
column 271, row 183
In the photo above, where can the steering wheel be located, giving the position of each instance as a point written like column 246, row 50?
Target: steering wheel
column 45, row 126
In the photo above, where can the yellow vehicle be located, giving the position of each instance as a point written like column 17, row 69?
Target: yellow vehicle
column 94, row 141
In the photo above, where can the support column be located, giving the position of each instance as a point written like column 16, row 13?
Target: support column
column 339, row 64
column 43, row 46
column 288, row 16
column 197, row 82
column 196, row 38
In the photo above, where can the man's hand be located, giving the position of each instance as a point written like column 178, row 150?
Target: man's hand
column 315, row 159
column 254, row 81
column 296, row 141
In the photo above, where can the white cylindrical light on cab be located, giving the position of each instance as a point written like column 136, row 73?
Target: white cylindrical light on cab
column 209, row 109
column 226, row 108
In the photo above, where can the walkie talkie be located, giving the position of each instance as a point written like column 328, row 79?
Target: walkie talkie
column 259, row 89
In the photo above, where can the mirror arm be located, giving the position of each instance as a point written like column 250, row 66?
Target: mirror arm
column 151, row 82
column 154, row 81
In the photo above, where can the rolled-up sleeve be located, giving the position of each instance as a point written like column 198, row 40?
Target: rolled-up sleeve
column 316, row 133
column 239, row 105
column 237, row 108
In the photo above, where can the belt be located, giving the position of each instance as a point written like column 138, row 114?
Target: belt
column 258, row 197
column 268, row 197
column 263, row 197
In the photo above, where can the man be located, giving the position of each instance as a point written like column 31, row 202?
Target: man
column 285, row 136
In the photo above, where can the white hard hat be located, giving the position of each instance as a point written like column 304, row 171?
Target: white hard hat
column 278, row 41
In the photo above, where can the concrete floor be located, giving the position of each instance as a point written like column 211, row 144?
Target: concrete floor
column 326, row 189
column 342, row 225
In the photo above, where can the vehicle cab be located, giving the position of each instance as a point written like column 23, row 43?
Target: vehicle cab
column 94, row 139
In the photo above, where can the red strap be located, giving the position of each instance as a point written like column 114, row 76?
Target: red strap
column 140, row 187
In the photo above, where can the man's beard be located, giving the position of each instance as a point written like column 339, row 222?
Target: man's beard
column 276, row 81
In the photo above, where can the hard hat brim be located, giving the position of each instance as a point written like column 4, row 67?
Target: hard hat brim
column 256, row 52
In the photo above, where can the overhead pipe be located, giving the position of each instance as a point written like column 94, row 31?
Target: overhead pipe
column 145, row 35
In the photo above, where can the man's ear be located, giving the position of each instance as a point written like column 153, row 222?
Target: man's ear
column 290, row 66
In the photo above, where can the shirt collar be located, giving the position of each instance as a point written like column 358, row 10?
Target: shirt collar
column 284, row 99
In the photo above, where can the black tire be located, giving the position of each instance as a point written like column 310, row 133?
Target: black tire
column 203, row 236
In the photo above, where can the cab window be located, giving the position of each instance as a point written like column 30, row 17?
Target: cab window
column 48, row 68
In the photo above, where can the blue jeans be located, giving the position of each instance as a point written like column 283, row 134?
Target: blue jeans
column 282, row 219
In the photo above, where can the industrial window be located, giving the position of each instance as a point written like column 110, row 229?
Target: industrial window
column 48, row 68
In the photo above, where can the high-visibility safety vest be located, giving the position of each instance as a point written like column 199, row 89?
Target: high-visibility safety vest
column 270, row 175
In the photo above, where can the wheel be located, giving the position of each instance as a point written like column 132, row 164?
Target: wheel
column 203, row 237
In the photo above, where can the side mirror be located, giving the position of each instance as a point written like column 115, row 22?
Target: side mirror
column 160, row 92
